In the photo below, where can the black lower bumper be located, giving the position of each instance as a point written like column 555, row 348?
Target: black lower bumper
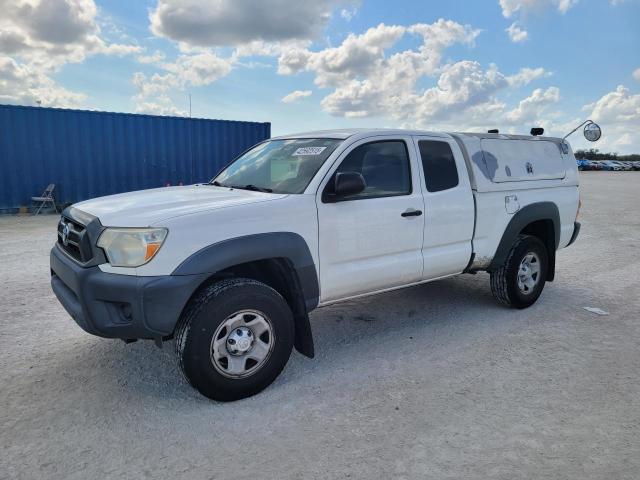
column 576, row 231
column 120, row 306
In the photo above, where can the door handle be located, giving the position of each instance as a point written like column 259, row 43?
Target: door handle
column 411, row 213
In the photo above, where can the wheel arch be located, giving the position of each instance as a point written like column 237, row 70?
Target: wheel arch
column 542, row 220
column 281, row 260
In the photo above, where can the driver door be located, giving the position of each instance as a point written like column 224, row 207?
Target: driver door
column 372, row 240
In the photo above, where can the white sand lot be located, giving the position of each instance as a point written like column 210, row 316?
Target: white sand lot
column 436, row 381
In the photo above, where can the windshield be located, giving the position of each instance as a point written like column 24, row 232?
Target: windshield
column 279, row 166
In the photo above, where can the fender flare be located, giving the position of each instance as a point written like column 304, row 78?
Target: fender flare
column 526, row 215
column 262, row 246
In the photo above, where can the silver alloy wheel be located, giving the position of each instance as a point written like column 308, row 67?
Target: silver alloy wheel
column 529, row 273
column 242, row 344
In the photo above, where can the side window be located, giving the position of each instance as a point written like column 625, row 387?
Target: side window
column 384, row 166
column 440, row 172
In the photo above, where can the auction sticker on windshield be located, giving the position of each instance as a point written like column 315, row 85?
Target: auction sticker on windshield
column 308, row 151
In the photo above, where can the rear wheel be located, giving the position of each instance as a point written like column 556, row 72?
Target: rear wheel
column 519, row 282
column 234, row 339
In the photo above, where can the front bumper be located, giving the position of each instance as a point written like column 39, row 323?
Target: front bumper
column 120, row 306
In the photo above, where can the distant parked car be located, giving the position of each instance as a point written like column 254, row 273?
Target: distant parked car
column 583, row 164
column 594, row 165
column 611, row 165
column 624, row 165
column 635, row 165
column 599, row 165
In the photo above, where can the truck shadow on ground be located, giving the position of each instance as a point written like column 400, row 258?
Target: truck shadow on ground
column 454, row 306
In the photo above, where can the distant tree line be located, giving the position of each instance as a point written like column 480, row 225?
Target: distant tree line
column 595, row 154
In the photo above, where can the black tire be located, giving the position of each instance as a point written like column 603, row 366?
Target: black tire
column 200, row 320
column 504, row 280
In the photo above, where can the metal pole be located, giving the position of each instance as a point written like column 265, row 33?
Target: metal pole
column 583, row 123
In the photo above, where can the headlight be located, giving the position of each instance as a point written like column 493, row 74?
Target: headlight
column 131, row 247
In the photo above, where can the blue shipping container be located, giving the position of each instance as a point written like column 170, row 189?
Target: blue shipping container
column 90, row 154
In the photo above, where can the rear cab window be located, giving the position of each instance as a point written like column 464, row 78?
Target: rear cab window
column 438, row 165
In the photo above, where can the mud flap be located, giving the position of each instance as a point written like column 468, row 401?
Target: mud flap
column 303, row 341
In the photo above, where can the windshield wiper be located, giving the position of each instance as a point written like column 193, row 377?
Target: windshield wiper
column 252, row 188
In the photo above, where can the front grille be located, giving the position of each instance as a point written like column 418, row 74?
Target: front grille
column 73, row 239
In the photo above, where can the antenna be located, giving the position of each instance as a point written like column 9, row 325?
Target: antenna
column 189, row 105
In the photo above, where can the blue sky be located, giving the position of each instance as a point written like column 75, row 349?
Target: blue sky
column 302, row 65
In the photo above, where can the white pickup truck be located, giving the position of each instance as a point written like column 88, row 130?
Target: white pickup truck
column 231, row 269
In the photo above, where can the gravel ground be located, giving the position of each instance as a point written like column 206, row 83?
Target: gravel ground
column 436, row 381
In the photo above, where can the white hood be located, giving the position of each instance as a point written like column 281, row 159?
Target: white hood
column 149, row 207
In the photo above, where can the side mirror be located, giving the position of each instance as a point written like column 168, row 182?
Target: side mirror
column 349, row 183
column 592, row 132
column 345, row 184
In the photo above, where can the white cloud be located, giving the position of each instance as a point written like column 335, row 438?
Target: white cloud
column 50, row 33
column 21, row 85
column 295, row 96
column 513, row 7
column 531, row 108
column 235, row 22
column 119, row 49
column 527, row 75
column 461, row 87
column 37, row 38
column 160, row 105
column 200, row 69
column 152, row 96
column 564, row 5
column 260, row 48
column 154, row 58
column 516, row 33
column 54, row 22
column 293, row 60
column 636, row 74
column 358, row 55
column 253, row 28
column 619, row 106
column 195, row 70
column 365, row 81
column 364, row 55
column 348, row 13
column 524, row 8
column 442, row 34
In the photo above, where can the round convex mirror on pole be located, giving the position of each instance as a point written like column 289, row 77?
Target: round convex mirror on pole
column 592, row 132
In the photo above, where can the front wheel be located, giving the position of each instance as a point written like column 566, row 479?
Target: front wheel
column 519, row 282
column 234, row 338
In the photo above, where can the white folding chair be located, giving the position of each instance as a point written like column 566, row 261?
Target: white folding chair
column 46, row 197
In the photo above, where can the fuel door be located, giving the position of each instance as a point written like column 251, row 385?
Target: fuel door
column 511, row 204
